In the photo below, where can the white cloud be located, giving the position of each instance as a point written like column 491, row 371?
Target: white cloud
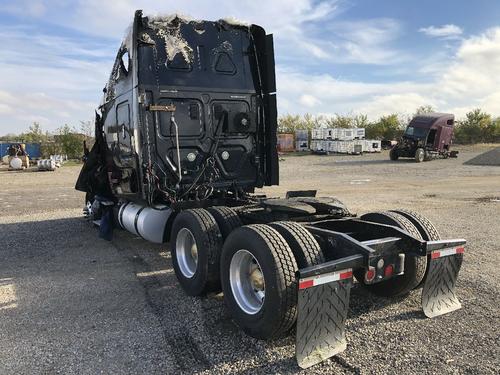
column 403, row 103
column 448, row 31
column 50, row 79
column 5, row 108
column 29, row 8
column 66, row 70
column 58, row 79
column 309, row 101
column 469, row 79
column 300, row 93
column 298, row 25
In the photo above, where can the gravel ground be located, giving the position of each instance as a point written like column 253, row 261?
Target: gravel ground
column 491, row 157
column 72, row 303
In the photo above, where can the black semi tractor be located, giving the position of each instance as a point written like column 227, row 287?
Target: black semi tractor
column 185, row 133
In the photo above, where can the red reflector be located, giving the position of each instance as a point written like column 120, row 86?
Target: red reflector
column 370, row 274
column 435, row 254
column 345, row 275
column 460, row 250
column 306, row 284
column 388, row 270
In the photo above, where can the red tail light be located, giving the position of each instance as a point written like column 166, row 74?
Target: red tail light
column 370, row 274
column 389, row 270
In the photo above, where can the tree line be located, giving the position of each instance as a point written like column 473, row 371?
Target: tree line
column 476, row 127
column 66, row 140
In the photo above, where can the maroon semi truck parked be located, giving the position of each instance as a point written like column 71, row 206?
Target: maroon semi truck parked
column 427, row 137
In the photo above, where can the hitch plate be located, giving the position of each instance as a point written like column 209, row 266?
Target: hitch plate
column 438, row 295
column 323, row 302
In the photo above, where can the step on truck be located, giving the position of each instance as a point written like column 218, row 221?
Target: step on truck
column 185, row 134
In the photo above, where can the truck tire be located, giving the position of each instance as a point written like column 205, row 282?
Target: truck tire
column 427, row 230
column 304, row 246
column 226, row 218
column 419, row 155
column 196, row 244
column 258, row 279
column 415, row 266
column 393, row 154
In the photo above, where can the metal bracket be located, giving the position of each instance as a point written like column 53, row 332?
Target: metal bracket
column 162, row 108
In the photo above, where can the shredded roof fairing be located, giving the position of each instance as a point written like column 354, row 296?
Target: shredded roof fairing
column 167, row 27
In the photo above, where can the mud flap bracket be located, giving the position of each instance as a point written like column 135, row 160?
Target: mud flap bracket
column 323, row 302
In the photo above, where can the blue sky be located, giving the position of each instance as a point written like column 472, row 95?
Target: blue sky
column 333, row 56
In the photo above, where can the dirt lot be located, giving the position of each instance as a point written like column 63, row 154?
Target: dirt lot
column 72, row 303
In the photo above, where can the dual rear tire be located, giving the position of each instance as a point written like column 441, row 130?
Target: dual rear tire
column 196, row 244
column 259, row 264
column 258, row 280
column 415, row 267
column 255, row 265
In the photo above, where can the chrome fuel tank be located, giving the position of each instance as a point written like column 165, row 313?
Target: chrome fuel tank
column 148, row 222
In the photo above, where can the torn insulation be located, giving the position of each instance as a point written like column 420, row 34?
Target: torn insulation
column 168, row 28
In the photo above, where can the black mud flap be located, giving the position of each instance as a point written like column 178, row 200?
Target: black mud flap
column 438, row 295
column 323, row 302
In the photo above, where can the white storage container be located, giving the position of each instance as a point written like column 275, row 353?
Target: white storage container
column 334, row 146
column 343, row 147
column 320, row 146
column 345, row 134
column 357, row 147
column 359, row 133
column 368, row 145
column 331, row 133
column 317, row 134
column 329, row 146
column 372, row 145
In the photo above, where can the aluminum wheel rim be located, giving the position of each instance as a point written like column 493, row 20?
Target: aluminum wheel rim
column 247, row 282
column 186, row 252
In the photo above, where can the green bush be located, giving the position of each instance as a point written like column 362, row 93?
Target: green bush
column 387, row 127
column 476, row 127
column 67, row 140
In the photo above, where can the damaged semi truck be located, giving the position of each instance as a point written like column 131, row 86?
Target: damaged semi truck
column 428, row 136
column 185, row 134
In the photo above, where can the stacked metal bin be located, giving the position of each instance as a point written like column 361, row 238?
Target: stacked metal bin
column 302, row 140
column 285, row 142
column 342, row 141
column 372, row 145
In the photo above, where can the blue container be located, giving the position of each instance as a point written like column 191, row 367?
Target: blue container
column 3, row 149
column 33, row 150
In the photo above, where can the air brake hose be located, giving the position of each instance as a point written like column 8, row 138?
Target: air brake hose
column 172, row 120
